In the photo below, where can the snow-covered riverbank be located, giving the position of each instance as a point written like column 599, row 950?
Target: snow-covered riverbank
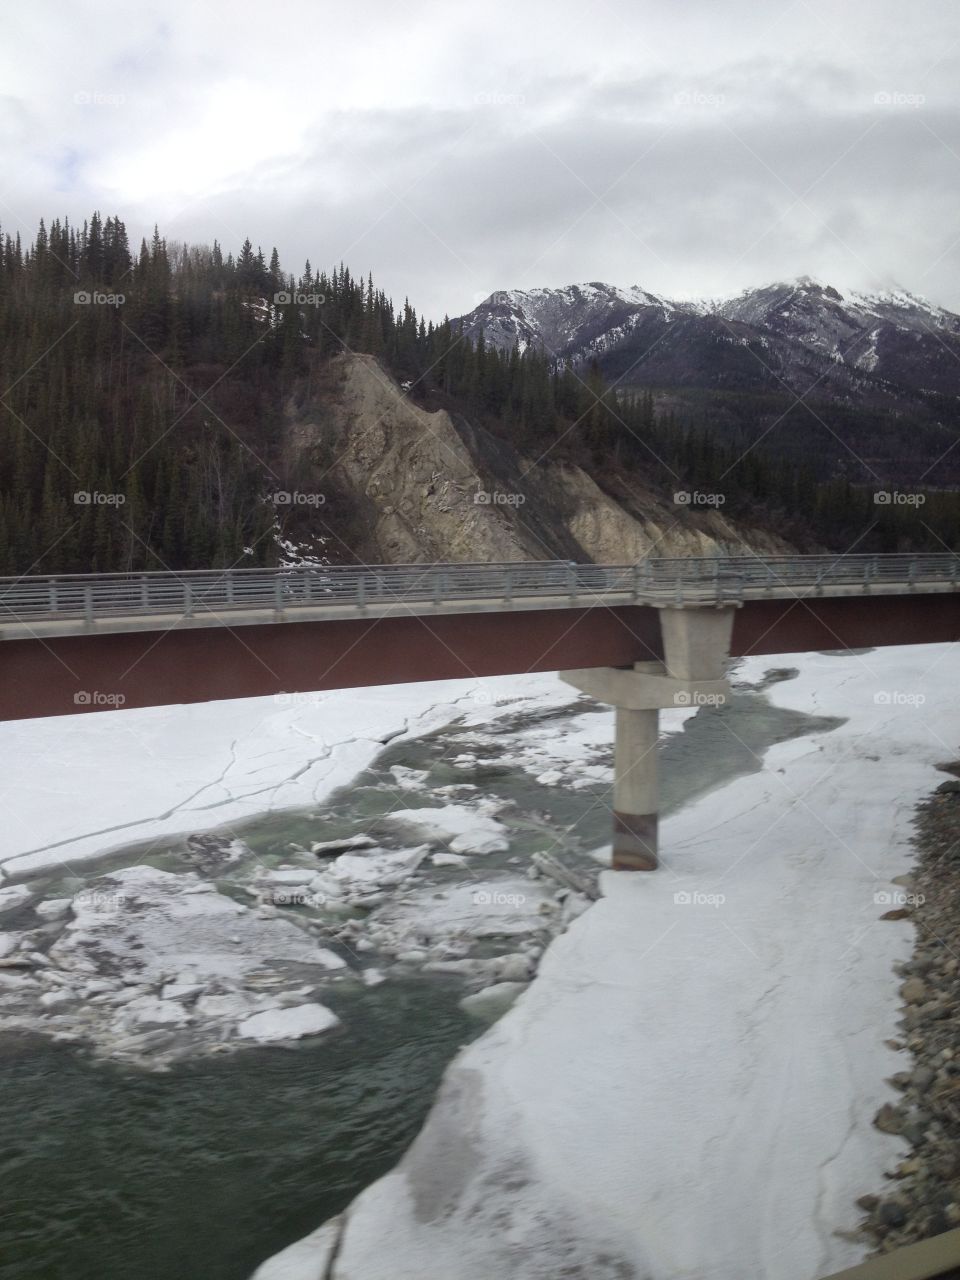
column 76, row 786
column 688, row 1087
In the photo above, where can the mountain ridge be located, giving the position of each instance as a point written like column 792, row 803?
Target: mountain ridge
column 877, row 370
column 751, row 305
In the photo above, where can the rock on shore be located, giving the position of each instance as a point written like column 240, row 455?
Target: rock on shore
column 922, row 1195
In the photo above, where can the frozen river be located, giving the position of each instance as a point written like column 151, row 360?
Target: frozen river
column 234, row 1149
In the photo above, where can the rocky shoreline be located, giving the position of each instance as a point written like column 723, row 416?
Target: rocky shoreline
column 922, row 1195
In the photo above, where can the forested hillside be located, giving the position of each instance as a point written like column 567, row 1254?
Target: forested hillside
column 143, row 394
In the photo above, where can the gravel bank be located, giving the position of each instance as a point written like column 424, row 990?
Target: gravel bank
column 922, row 1194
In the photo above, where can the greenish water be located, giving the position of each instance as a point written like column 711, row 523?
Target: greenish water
column 202, row 1172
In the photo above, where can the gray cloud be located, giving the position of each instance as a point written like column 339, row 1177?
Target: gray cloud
column 693, row 150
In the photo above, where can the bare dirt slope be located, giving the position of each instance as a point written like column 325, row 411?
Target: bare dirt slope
column 411, row 486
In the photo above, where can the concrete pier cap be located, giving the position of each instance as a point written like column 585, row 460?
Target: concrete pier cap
column 696, row 642
column 696, row 646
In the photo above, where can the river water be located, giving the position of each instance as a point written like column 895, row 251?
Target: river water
column 203, row 1171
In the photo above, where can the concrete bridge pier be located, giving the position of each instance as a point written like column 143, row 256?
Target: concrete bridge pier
column 636, row 790
column 696, row 643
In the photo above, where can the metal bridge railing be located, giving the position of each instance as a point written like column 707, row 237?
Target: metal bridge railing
column 88, row 597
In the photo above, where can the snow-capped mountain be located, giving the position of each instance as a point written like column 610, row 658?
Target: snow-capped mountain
column 855, row 384
column 560, row 319
column 856, row 328
column 793, row 334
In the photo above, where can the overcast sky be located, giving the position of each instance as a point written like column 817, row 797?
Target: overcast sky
column 694, row 147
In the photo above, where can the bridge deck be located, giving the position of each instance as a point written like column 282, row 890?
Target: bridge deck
column 44, row 607
column 89, row 644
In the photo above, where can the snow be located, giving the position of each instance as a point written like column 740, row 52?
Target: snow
column 354, row 873
column 148, row 966
column 288, row 1024
column 493, row 1001
column 688, row 1086
column 302, row 555
column 112, row 779
column 53, row 908
column 869, row 358
column 305, row 1260
column 14, row 896
column 449, row 859
column 462, row 829
column 480, row 909
column 345, row 843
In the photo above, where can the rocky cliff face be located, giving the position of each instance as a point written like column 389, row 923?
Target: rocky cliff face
column 403, row 485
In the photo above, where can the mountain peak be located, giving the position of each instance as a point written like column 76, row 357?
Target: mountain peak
column 553, row 317
column 810, row 329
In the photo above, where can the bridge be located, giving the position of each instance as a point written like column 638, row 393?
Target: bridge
column 642, row 636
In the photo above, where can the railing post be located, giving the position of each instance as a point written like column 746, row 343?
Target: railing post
column 278, row 593
column 508, row 585
column 636, row 580
column 437, row 587
column 229, row 586
column 88, row 603
column 361, row 591
column 912, row 573
column 144, row 592
column 52, row 595
column 187, row 599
